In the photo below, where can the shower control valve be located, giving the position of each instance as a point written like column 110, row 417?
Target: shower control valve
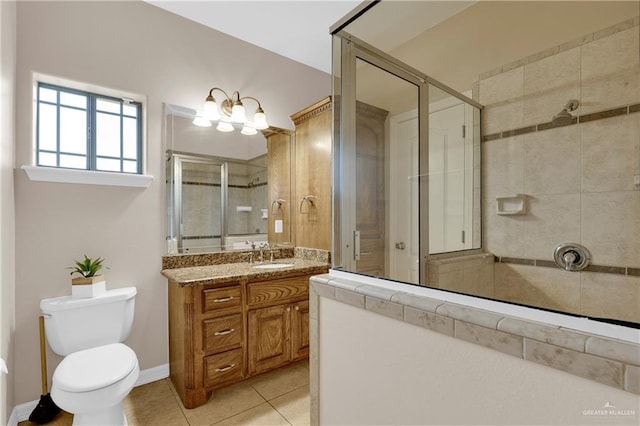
column 571, row 257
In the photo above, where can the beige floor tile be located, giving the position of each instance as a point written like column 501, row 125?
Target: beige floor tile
column 278, row 382
column 151, row 391
column 153, row 403
column 62, row 419
column 224, row 403
column 294, row 406
column 157, row 403
column 155, row 411
column 263, row 414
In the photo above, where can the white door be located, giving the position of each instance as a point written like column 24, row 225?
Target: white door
column 403, row 199
column 447, row 179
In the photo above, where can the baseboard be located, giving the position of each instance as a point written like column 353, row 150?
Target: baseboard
column 13, row 418
column 23, row 411
column 153, row 374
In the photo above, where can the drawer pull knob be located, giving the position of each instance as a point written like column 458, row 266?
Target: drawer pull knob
column 224, row 299
column 223, row 369
column 223, row 332
column 297, row 308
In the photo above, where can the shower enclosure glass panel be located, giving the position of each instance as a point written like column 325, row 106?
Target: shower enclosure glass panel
column 406, row 167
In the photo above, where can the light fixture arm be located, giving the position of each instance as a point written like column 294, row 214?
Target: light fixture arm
column 251, row 97
column 217, row 88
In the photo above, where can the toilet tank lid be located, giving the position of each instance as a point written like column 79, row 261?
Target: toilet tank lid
column 68, row 302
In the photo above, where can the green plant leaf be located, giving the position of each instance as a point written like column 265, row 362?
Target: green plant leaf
column 88, row 267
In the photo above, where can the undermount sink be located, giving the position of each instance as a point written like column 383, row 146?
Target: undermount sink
column 273, row 266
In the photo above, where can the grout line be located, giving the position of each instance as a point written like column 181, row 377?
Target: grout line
column 281, row 415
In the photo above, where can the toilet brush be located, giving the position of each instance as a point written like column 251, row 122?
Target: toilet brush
column 46, row 410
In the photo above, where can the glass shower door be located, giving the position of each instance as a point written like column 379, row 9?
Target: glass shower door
column 380, row 214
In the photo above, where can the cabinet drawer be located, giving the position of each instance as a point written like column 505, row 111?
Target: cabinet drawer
column 220, row 298
column 269, row 291
column 222, row 368
column 223, row 333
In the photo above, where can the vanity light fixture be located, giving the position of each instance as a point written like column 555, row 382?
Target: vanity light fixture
column 229, row 112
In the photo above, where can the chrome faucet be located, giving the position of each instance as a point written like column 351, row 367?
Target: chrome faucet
column 253, row 249
column 266, row 246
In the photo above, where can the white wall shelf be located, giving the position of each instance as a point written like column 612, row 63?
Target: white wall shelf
column 89, row 177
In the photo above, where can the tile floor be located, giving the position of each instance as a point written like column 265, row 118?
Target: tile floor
column 279, row 397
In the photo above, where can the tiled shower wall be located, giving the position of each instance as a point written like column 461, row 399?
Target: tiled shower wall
column 580, row 180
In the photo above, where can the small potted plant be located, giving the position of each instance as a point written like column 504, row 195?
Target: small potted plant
column 90, row 284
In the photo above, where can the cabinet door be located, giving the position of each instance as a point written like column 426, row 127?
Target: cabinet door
column 269, row 342
column 300, row 330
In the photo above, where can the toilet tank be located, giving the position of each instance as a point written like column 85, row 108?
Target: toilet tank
column 73, row 324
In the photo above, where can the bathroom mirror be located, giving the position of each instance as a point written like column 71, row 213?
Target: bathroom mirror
column 218, row 188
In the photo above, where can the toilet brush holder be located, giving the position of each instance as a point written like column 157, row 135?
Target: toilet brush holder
column 88, row 287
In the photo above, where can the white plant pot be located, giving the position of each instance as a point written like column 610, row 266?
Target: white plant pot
column 88, row 287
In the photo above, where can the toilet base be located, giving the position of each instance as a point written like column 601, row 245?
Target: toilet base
column 112, row 416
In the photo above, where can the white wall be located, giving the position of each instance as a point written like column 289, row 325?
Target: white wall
column 134, row 47
column 376, row 370
column 7, row 218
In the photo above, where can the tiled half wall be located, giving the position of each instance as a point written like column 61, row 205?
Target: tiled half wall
column 605, row 360
column 580, row 181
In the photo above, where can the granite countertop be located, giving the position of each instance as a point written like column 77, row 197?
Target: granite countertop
column 211, row 274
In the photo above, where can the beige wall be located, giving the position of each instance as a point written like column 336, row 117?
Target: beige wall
column 7, row 217
column 378, row 370
column 578, row 179
column 135, row 47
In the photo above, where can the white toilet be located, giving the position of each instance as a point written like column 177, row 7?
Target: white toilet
column 98, row 371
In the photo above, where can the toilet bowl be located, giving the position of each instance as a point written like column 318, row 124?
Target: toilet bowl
column 98, row 370
column 92, row 384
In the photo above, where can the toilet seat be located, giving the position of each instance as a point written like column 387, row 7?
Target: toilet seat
column 95, row 368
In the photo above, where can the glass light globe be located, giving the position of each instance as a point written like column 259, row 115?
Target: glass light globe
column 260, row 121
column 248, row 130
column 210, row 110
column 200, row 121
column 237, row 113
column 224, row 126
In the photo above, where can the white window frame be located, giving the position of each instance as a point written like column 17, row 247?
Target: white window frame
column 80, row 176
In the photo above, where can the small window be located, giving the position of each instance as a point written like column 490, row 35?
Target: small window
column 82, row 130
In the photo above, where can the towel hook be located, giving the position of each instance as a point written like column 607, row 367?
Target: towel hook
column 310, row 199
column 279, row 202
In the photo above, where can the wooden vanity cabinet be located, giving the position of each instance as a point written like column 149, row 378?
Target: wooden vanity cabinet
column 222, row 333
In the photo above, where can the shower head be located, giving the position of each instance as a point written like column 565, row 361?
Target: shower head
column 564, row 117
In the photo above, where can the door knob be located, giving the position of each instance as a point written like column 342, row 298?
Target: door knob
column 400, row 245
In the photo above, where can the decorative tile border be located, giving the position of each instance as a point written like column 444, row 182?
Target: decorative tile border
column 600, row 115
column 603, row 269
column 608, row 361
column 622, row 26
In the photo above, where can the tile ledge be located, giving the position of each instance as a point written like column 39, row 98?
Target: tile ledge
column 565, row 323
column 565, row 340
